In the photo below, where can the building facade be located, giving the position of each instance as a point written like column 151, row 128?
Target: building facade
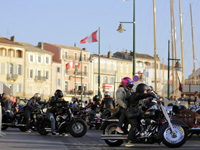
column 12, row 65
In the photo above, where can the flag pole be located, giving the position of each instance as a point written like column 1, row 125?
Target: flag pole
column 99, row 66
column 81, row 80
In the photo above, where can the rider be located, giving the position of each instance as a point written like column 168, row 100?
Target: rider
column 95, row 107
column 107, row 103
column 141, row 94
column 122, row 94
column 30, row 107
column 52, row 108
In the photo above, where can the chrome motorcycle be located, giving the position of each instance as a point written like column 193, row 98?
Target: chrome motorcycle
column 155, row 127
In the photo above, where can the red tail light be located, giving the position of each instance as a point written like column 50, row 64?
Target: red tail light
column 98, row 117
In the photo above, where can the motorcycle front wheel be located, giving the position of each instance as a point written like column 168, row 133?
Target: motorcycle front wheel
column 78, row 128
column 174, row 140
column 110, row 129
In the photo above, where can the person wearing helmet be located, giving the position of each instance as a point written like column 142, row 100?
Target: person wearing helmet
column 107, row 104
column 141, row 94
column 122, row 94
column 53, row 104
column 95, row 107
column 30, row 107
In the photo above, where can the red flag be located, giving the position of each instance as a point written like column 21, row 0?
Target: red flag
column 90, row 38
column 70, row 65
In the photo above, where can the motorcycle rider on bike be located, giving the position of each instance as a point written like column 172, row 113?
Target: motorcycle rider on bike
column 107, row 104
column 30, row 107
column 94, row 107
column 123, row 92
column 141, row 95
column 52, row 107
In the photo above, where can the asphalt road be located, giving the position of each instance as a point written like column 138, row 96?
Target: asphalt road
column 17, row 140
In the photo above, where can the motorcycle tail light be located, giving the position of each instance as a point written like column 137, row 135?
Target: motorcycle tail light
column 98, row 117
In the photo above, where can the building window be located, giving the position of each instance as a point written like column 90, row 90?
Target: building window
column 39, row 74
column 121, row 68
column 46, row 91
column 105, row 67
column 112, row 68
column 39, row 59
column 31, row 58
column 17, row 88
column 31, row 73
column 127, row 68
column 58, row 82
column 66, row 71
column 58, row 69
column 105, row 79
column 112, row 80
column 84, row 57
column 11, row 69
column 30, row 89
column 76, row 68
column 47, row 60
column 19, row 70
column 85, row 70
column 75, row 56
column 65, row 55
column 47, row 74
column 66, row 86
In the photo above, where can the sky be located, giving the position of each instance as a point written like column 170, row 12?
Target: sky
column 68, row 21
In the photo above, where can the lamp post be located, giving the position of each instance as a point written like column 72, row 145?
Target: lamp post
column 121, row 30
column 177, row 67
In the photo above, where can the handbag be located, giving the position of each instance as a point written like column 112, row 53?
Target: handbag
column 133, row 112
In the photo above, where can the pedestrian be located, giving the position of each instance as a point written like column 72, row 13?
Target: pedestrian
column 171, row 98
column 195, row 96
column 182, row 98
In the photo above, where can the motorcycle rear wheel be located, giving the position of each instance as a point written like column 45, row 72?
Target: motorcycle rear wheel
column 78, row 128
column 110, row 129
column 3, row 127
column 177, row 140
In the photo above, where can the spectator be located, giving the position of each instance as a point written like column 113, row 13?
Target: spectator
column 171, row 98
column 176, row 100
column 182, row 98
column 195, row 96
column 197, row 100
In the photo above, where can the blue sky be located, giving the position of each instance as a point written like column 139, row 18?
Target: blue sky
column 68, row 21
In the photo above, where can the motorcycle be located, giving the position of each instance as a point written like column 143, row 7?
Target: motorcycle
column 95, row 119
column 155, row 127
column 65, row 122
column 190, row 116
column 14, row 120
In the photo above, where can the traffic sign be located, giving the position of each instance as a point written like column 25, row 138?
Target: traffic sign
column 136, row 78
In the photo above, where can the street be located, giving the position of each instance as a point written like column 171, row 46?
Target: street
column 17, row 140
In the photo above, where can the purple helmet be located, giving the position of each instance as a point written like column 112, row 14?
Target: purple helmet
column 127, row 82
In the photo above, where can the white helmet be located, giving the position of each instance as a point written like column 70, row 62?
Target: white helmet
column 106, row 93
column 37, row 96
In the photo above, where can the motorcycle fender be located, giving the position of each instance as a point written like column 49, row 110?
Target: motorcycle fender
column 105, row 123
column 176, row 122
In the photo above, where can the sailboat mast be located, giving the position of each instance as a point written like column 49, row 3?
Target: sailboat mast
column 172, row 39
column 194, row 69
column 155, row 54
column 182, row 51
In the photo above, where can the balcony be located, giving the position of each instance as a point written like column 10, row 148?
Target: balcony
column 103, row 71
column 72, row 92
column 40, row 78
column 12, row 77
column 78, row 74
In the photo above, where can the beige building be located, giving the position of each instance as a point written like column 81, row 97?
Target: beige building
column 69, row 80
column 108, row 67
column 38, row 71
column 12, row 65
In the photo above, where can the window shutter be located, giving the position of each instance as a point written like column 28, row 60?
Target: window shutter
column 21, row 88
column 2, row 68
column 56, row 82
column 21, row 70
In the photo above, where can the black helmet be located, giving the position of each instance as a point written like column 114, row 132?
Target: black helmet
column 96, row 98
column 141, row 88
column 58, row 94
column 37, row 96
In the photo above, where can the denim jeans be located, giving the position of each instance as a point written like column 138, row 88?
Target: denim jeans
column 52, row 119
column 122, row 116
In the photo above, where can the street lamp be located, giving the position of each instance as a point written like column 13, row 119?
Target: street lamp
column 177, row 67
column 121, row 30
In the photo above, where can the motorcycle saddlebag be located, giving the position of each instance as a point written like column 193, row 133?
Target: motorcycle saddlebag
column 186, row 116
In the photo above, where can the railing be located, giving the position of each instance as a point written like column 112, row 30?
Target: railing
column 40, row 78
column 12, row 77
column 72, row 92
column 73, row 73
column 73, row 58
column 104, row 71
